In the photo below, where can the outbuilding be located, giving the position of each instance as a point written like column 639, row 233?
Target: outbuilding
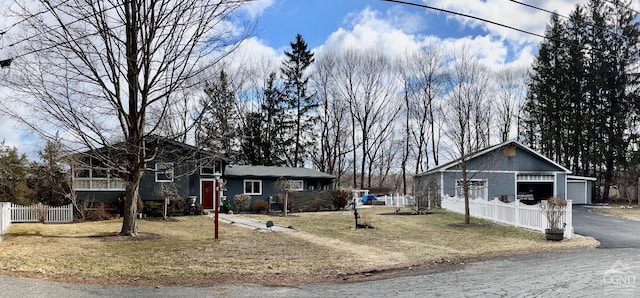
column 507, row 171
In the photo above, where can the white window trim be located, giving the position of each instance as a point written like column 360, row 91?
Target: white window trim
column 292, row 182
column 167, row 172
column 215, row 166
column 254, row 193
column 113, row 183
column 473, row 188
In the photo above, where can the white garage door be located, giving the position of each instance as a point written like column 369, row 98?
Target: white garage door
column 577, row 191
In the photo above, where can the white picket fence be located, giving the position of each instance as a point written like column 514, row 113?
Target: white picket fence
column 5, row 216
column 513, row 213
column 61, row 214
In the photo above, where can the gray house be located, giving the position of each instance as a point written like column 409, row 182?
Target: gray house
column 507, row 171
column 260, row 182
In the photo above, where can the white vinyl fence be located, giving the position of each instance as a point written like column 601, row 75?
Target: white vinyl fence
column 513, row 213
column 5, row 216
column 62, row 214
column 396, row 200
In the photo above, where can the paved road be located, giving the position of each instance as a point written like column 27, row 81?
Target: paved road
column 612, row 232
column 582, row 273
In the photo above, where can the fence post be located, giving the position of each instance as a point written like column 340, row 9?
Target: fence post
column 517, row 215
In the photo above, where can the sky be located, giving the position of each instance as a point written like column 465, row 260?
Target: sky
column 328, row 25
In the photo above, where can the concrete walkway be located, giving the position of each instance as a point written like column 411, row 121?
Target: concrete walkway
column 250, row 223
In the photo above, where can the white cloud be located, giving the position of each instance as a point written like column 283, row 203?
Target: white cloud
column 369, row 30
column 256, row 8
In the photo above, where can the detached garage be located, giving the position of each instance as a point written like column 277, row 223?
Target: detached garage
column 508, row 171
column 580, row 189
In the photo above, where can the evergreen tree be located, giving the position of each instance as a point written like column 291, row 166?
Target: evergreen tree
column 545, row 99
column 48, row 179
column 14, row 172
column 300, row 103
column 582, row 102
column 265, row 134
column 275, row 127
column 252, row 143
column 218, row 126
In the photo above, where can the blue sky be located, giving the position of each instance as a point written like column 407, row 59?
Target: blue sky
column 317, row 19
column 392, row 28
column 395, row 27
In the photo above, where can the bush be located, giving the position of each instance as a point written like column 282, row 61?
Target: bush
column 340, row 198
column 290, row 199
column 98, row 211
column 317, row 205
column 242, row 202
column 260, row 205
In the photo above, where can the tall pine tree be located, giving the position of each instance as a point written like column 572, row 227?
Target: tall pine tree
column 582, row 102
column 301, row 104
column 218, row 125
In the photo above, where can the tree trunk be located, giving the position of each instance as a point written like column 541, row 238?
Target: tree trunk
column 129, row 223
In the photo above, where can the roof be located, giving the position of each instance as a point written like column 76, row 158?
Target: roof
column 448, row 165
column 273, row 171
column 153, row 140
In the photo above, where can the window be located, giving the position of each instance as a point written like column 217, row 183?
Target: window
column 296, row 185
column 94, row 175
column 253, row 187
column 477, row 189
column 164, row 172
column 208, row 169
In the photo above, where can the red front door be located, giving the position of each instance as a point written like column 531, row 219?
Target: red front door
column 208, row 191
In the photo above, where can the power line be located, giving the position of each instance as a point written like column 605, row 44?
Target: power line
column 466, row 16
column 85, row 18
column 501, row 25
column 569, row 18
column 3, row 31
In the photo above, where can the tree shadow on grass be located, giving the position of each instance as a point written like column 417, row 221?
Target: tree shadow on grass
column 111, row 236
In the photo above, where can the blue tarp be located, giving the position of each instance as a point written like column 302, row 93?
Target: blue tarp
column 366, row 198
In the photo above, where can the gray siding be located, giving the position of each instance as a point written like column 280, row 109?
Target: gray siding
column 500, row 171
column 561, row 184
column 523, row 161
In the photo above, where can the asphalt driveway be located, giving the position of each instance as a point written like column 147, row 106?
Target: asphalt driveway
column 612, row 232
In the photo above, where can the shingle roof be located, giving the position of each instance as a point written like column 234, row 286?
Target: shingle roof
column 448, row 165
column 272, row 171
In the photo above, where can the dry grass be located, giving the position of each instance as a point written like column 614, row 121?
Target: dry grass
column 324, row 248
column 622, row 211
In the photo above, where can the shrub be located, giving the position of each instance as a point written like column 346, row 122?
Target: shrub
column 259, row 206
column 317, row 204
column 242, row 202
column 340, row 198
column 290, row 199
column 98, row 212
column 177, row 207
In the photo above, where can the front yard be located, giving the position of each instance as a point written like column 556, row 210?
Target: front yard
column 621, row 210
column 325, row 248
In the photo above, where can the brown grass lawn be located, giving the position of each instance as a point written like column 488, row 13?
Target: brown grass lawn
column 325, row 247
column 621, row 210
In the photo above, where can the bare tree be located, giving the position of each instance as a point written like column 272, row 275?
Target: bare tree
column 95, row 70
column 364, row 79
column 509, row 91
column 424, row 76
column 333, row 145
column 467, row 114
